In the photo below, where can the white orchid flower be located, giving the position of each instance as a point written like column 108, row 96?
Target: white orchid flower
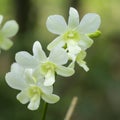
column 31, row 87
column 43, row 65
column 74, row 36
column 8, row 30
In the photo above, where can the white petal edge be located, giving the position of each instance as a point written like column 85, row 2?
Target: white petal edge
column 83, row 65
column 85, row 42
column 23, row 97
column 56, row 24
column 80, row 60
column 16, row 68
column 73, row 20
column 72, row 65
column 6, row 44
column 46, row 89
column 26, row 60
column 34, row 103
column 89, row 23
column 38, row 52
column 1, row 19
column 49, row 79
column 73, row 49
column 58, row 56
column 15, row 81
column 10, row 28
column 50, row 98
column 58, row 42
column 65, row 71
column 15, row 78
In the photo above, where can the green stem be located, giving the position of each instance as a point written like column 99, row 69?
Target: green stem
column 44, row 111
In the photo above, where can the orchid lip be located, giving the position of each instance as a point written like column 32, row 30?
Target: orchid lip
column 71, row 35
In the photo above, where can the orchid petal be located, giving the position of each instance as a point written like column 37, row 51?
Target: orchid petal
column 1, row 19
column 80, row 60
column 23, row 97
column 34, row 102
column 46, row 89
column 6, row 44
column 15, row 81
column 49, row 78
column 56, row 24
column 85, row 42
column 73, row 20
column 89, row 23
column 38, row 52
column 58, row 42
column 50, row 98
column 28, row 76
column 73, row 49
column 83, row 65
column 26, row 60
column 65, row 71
column 10, row 28
column 58, row 56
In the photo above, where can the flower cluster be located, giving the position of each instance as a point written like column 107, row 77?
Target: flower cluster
column 34, row 75
column 8, row 30
column 31, row 86
column 74, row 37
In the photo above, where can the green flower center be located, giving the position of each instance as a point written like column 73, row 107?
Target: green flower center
column 48, row 66
column 71, row 35
column 34, row 90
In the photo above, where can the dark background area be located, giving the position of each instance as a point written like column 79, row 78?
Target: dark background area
column 98, row 90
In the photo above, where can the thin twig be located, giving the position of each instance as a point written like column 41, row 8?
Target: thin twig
column 71, row 108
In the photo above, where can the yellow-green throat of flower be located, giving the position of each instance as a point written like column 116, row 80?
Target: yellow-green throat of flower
column 47, row 66
column 71, row 35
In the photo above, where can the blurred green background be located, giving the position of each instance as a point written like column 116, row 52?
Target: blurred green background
column 98, row 90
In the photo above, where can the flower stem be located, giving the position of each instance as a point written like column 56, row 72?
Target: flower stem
column 44, row 111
